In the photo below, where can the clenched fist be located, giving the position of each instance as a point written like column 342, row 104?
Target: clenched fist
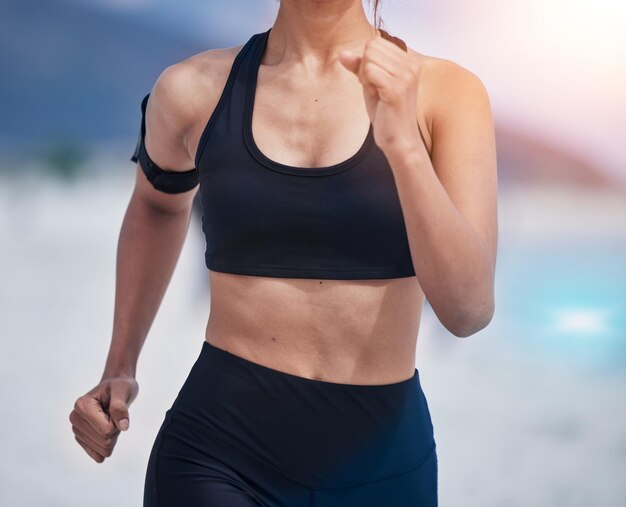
column 99, row 415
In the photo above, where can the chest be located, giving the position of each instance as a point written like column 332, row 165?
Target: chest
column 306, row 122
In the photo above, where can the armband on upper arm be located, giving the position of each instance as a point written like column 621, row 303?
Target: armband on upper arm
column 171, row 182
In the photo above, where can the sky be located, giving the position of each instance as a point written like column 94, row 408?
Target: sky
column 554, row 68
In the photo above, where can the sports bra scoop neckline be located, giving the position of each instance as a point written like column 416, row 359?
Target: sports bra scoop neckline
column 255, row 63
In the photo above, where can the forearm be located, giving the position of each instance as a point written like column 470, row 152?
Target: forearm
column 149, row 246
column 451, row 262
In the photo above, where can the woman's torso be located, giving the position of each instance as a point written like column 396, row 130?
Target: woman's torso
column 347, row 331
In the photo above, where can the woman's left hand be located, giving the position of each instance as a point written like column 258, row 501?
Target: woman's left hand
column 389, row 77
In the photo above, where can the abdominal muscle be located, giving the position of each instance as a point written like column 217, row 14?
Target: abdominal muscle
column 344, row 331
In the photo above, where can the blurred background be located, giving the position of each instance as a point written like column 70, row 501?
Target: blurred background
column 530, row 411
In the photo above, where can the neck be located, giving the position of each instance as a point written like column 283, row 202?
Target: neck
column 314, row 32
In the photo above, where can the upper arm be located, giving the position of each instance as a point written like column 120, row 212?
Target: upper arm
column 165, row 125
column 464, row 147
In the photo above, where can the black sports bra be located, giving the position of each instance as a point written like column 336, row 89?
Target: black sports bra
column 264, row 218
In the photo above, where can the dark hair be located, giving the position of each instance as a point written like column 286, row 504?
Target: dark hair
column 378, row 22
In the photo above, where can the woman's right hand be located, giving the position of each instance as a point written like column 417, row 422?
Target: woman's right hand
column 99, row 415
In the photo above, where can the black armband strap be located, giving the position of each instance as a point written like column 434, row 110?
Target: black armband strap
column 171, row 182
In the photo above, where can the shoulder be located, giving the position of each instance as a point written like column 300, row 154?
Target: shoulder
column 448, row 89
column 183, row 95
column 184, row 87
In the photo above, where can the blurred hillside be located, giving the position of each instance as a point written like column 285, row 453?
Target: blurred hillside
column 76, row 72
column 527, row 158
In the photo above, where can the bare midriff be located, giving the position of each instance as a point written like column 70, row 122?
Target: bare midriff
column 344, row 331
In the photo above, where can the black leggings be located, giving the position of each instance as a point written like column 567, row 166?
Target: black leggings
column 240, row 434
